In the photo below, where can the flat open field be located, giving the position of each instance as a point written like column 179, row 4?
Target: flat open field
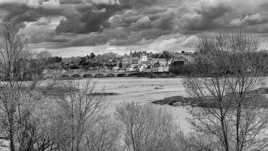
column 145, row 90
column 141, row 90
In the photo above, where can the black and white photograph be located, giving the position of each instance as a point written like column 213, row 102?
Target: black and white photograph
column 133, row 75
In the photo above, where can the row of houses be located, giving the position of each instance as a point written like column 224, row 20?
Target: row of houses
column 127, row 64
column 145, row 63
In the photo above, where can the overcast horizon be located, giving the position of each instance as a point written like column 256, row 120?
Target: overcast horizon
column 78, row 27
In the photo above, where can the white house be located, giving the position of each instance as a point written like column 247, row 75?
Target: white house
column 51, row 3
column 143, row 67
column 143, row 58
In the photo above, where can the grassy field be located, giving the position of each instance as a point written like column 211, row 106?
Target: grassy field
column 169, row 93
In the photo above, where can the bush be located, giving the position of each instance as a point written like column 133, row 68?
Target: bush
column 147, row 128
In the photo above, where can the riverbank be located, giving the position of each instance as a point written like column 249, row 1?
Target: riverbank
column 260, row 100
column 77, row 76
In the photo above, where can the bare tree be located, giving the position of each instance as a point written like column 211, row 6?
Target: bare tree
column 229, row 107
column 194, row 142
column 17, row 98
column 103, row 136
column 12, row 47
column 146, row 128
column 78, row 109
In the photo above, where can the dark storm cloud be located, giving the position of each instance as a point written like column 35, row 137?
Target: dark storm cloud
column 205, row 17
column 250, row 19
column 19, row 13
column 87, row 19
column 92, row 20
column 137, row 3
column 256, row 21
column 117, row 25
column 163, row 20
column 79, row 19
column 95, row 22
column 218, row 15
column 263, row 7
column 140, row 20
column 131, row 26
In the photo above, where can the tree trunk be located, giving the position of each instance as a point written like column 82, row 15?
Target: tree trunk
column 77, row 145
column 11, row 133
column 225, row 135
column 238, row 118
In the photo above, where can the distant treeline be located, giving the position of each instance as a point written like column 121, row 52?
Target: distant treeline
column 93, row 61
column 28, row 69
column 203, row 66
column 25, row 69
column 33, row 67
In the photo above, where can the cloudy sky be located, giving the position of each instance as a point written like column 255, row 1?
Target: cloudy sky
column 77, row 27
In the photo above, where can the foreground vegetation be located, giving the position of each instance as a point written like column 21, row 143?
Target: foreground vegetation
column 73, row 117
column 76, row 119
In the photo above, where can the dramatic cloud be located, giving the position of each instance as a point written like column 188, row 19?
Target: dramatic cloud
column 75, row 23
column 205, row 15
column 143, row 24
column 87, row 19
column 71, row 1
column 20, row 13
column 257, row 21
column 94, row 18
column 41, row 30
column 137, row 3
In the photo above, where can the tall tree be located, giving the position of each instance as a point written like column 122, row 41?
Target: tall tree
column 146, row 128
column 12, row 47
column 78, row 110
column 15, row 95
column 231, row 113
